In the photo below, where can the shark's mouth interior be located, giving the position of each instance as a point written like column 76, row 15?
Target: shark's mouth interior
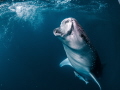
column 57, row 32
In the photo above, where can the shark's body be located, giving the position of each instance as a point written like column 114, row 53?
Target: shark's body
column 81, row 55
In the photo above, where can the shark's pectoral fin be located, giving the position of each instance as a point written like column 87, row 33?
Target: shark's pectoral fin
column 80, row 77
column 65, row 62
column 95, row 80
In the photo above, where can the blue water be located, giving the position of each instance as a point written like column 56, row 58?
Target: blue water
column 30, row 54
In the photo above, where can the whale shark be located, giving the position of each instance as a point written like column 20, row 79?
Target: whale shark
column 81, row 55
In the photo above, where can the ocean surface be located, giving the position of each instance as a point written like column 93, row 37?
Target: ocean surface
column 30, row 54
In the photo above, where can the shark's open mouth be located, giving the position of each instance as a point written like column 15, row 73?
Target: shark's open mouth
column 57, row 32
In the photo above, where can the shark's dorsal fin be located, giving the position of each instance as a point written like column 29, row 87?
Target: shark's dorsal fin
column 65, row 62
column 80, row 77
column 95, row 80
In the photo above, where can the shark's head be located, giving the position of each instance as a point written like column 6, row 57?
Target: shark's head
column 70, row 33
column 65, row 28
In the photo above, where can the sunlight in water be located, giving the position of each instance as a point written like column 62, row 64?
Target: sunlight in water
column 25, row 11
column 62, row 1
column 30, row 11
column 33, row 12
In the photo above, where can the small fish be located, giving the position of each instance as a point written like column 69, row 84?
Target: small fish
column 81, row 55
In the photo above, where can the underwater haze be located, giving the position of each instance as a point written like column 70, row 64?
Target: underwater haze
column 30, row 54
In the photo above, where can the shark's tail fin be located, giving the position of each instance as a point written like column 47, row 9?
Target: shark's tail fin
column 95, row 81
